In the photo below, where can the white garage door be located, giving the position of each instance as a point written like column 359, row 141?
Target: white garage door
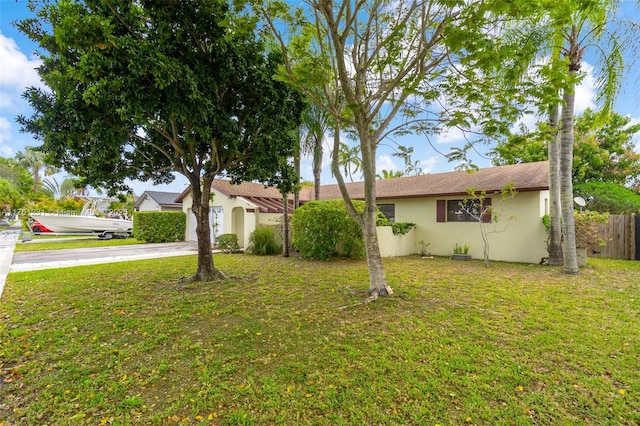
column 216, row 217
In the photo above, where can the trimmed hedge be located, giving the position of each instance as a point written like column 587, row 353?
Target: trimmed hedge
column 159, row 227
column 323, row 229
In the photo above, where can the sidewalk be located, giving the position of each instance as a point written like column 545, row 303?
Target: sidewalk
column 8, row 239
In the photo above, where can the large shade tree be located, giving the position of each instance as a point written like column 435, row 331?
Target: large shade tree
column 146, row 89
column 603, row 149
column 370, row 63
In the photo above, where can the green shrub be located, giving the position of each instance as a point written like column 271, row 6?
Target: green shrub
column 159, row 227
column 398, row 228
column 589, row 229
column 228, row 243
column 605, row 197
column 263, row 242
column 402, row 228
column 322, row 229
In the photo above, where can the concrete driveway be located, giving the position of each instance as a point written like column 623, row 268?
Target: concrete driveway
column 46, row 259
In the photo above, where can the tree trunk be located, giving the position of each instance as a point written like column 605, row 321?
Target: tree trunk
column 317, row 167
column 566, row 182
column 285, row 226
column 206, row 270
column 367, row 220
column 296, row 169
column 554, row 243
column 377, row 279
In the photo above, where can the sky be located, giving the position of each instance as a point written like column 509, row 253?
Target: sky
column 17, row 72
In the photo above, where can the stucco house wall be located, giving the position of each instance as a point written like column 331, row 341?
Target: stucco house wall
column 232, row 215
column 519, row 234
column 148, row 205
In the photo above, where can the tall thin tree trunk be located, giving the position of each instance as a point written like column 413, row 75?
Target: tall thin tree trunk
column 554, row 243
column 317, row 166
column 566, row 182
column 285, row 226
column 296, row 168
column 367, row 220
column 377, row 278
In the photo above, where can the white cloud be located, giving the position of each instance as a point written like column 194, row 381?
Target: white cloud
column 450, row 135
column 428, row 165
column 5, row 129
column 385, row 162
column 585, row 91
column 17, row 73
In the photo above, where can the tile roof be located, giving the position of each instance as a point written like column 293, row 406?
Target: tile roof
column 268, row 199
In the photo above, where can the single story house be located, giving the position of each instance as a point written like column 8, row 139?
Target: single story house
column 157, row 201
column 431, row 201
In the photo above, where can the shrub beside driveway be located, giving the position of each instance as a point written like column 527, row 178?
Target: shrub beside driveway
column 287, row 341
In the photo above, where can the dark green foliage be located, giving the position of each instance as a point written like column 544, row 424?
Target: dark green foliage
column 10, row 195
column 402, row 228
column 322, row 229
column 398, row 228
column 602, row 151
column 263, row 242
column 159, row 227
column 228, row 243
column 606, row 197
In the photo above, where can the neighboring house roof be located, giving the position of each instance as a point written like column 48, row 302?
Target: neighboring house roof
column 164, row 199
column 526, row 177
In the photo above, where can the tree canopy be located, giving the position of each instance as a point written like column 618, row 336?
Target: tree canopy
column 144, row 89
column 428, row 65
column 17, row 174
column 603, row 151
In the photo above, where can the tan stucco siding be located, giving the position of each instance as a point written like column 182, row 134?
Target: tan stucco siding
column 230, row 224
column 519, row 239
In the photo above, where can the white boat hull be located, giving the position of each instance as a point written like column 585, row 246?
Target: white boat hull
column 83, row 224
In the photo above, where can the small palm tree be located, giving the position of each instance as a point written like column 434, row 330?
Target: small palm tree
column 388, row 174
column 315, row 123
column 34, row 160
column 349, row 159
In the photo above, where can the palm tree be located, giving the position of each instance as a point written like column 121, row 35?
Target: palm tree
column 315, row 123
column 554, row 243
column 573, row 33
column 388, row 174
column 349, row 159
column 34, row 160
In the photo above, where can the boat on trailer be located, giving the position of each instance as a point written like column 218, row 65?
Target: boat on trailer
column 106, row 226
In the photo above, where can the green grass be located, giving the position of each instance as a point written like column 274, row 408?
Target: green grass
column 41, row 243
column 287, row 342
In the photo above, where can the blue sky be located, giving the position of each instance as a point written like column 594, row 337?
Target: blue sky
column 17, row 63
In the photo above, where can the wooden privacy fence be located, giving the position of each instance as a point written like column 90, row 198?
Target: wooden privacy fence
column 621, row 238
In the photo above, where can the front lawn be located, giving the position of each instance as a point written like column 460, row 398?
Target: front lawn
column 287, row 341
